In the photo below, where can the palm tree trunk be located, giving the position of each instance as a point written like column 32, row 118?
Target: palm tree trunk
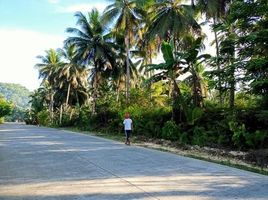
column 118, row 90
column 176, row 94
column 218, row 64
column 51, row 105
column 68, row 94
column 128, row 68
column 95, row 89
column 61, row 113
column 150, row 72
column 232, row 91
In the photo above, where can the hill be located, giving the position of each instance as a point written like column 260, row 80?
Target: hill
column 15, row 93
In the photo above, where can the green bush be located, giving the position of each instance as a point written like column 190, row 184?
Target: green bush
column 43, row 118
column 200, row 136
column 171, row 131
column 147, row 121
column 5, row 107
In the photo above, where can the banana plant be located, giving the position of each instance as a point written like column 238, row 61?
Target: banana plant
column 170, row 70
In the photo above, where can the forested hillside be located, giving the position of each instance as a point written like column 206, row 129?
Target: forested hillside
column 19, row 97
column 17, row 94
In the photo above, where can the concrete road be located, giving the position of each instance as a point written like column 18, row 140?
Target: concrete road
column 42, row 163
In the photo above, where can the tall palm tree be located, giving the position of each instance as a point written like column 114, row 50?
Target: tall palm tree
column 93, row 46
column 72, row 73
column 228, row 47
column 171, row 20
column 125, row 16
column 194, row 61
column 215, row 10
column 48, row 69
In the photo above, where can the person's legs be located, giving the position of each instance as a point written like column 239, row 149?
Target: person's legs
column 128, row 136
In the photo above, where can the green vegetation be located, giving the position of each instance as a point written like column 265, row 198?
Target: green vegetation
column 190, row 97
column 19, row 97
column 5, row 109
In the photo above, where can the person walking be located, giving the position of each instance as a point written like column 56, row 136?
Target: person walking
column 128, row 126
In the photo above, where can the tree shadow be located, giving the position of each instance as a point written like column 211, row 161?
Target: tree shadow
column 39, row 163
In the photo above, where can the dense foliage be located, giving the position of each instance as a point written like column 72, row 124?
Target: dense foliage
column 15, row 93
column 190, row 97
column 5, row 108
column 19, row 96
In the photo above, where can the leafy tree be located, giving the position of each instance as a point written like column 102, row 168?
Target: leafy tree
column 170, row 70
column 194, row 61
column 5, row 107
column 48, row 71
column 125, row 16
column 15, row 93
column 252, row 28
column 172, row 20
column 73, row 76
column 215, row 10
column 92, row 46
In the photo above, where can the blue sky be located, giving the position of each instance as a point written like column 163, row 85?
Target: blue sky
column 28, row 28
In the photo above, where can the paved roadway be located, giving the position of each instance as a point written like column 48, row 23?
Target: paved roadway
column 48, row 164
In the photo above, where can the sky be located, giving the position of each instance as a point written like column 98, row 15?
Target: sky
column 28, row 28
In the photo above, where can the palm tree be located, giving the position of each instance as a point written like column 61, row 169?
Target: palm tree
column 48, row 69
column 125, row 16
column 171, row 20
column 194, row 61
column 227, row 43
column 72, row 73
column 215, row 10
column 93, row 47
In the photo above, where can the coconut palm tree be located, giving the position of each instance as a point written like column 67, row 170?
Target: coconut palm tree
column 72, row 73
column 194, row 61
column 171, row 20
column 48, row 71
column 215, row 10
column 93, row 46
column 125, row 16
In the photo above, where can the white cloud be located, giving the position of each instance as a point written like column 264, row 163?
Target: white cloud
column 18, row 52
column 83, row 7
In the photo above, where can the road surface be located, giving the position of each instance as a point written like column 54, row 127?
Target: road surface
column 49, row 164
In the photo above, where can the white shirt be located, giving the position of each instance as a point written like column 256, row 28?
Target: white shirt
column 127, row 122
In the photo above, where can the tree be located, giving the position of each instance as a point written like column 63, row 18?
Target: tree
column 93, row 47
column 5, row 107
column 48, row 71
column 72, row 75
column 215, row 10
column 170, row 70
column 227, row 44
column 194, row 62
column 172, row 20
column 251, row 26
column 125, row 16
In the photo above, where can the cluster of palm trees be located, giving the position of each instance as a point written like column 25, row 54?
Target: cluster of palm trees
column 114, row 47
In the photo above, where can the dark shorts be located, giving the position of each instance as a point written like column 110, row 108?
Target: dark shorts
column 128, row 133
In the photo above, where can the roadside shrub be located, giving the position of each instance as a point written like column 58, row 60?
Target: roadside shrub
column 256, row 140
column 200, row 136
column 43, row 118
column 69, row 117
column 171, row 131
column 147, row 121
